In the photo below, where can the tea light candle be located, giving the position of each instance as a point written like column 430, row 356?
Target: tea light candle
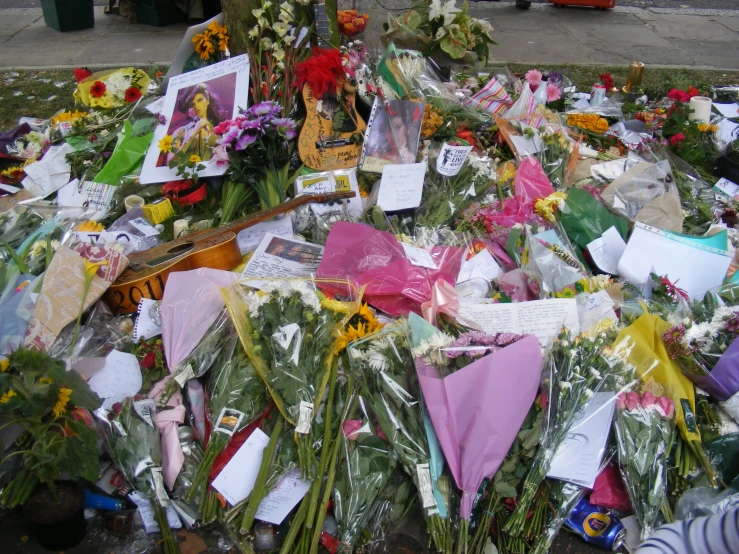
column 181, row 227
column 701, row 106
column 133, row 201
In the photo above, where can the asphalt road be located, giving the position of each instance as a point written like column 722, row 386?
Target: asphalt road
column 674, row 4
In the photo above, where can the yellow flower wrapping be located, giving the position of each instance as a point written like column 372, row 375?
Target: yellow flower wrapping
column 82, row 94
column 651, row 360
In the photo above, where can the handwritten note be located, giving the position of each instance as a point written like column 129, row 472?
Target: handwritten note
column 277, row 504
column 236, row 480
column 542, row 318
column 578, row 458
column 596, row 311
column 119, row 378
column 146, row 510
column 729, row 188
column 250, row 237
column 401, row 186
column 282, row 257
column 607, row 250
column 315, row 184
column 480, row 266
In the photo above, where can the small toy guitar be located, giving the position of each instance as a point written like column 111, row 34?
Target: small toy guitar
column 147, row 271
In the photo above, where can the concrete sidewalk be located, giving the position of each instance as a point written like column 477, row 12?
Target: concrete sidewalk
column 706, row 39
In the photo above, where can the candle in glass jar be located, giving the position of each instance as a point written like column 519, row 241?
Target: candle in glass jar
column 181, row 227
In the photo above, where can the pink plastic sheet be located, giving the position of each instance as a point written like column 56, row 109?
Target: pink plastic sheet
column 530, row 184
column 366, row 256
column 191, row 303
column 478, row 410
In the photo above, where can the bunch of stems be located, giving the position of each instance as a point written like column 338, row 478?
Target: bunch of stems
column 167, row 542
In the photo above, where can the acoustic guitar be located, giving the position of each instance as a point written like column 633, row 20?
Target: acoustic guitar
column 147, row 271
column 320, row 146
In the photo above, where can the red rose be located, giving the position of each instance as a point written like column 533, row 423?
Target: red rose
column 98, row 89
column 607, row 80
column 149, row 360
column 132, row 94
column 81, row 73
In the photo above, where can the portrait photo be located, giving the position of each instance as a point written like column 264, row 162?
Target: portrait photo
column 392, row 134
column 195, row 103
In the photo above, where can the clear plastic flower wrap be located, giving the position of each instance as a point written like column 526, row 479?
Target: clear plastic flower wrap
column 367, row 463
column 235, row 391
column 383, row 364
column 290, row 331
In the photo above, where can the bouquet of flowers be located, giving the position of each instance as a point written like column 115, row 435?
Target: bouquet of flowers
column 290, row 331
column 383, row 364
column 367, row 464
column 245, row 143
column 48, row 402
column 236, row 390
column 133, row 442
column 644, row 432
column 575, row 369
column 210, row 46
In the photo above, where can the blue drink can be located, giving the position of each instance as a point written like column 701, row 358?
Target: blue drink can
column 595, row 526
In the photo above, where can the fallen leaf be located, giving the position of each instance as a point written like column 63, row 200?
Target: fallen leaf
column 193, row 544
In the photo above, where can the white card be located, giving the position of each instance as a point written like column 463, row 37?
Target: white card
column 147, row 513
column 250, row 237
column 419, row 256
column 607, row 250
column 145, row 326
column 527, row 146
column 542, row 318
column 480, row 266
column 282, row 257
column 144, row 226
column 728, row 110
column 315, row 184
column 284, row 497
column 729, row 188
column 578, row 458
column 401, row 186
column 119, row 378
column 451, row 159
column 236, row 480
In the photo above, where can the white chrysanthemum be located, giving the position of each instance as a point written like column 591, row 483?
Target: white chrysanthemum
column 698, row 333
column 376, row 360
column 434, row 342
column 116, row 85
column 254, row 301
column 38, row 248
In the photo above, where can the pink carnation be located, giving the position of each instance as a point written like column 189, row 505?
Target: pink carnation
column 533, row 77
column 633, row 400
column 667, row 406
column 553, row 92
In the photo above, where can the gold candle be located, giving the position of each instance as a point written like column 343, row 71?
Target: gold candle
column 636, row 70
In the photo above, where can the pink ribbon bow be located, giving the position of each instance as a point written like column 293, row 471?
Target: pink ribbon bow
column 444, row 299
column 167, row 422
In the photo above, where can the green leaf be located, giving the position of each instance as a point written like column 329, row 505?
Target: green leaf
column 454, row 44
column 411, row 19
column 505, row 490
column 81, row 395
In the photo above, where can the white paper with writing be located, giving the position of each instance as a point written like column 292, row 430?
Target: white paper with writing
column 250, row 237
column 401, row 186
column 147, row 513
column 419, row 256
column 119, row 378
column 283, row 498
column 315, row 184
column 145, row 326
column 729, row 188
column 305, row 416
column 594, row 309
column 607, row 250
column 542, row 318
column 451, row 159
column 282, row 257
column 95, row 197
column 578, row 458
column 236, row 480
column 480, row 266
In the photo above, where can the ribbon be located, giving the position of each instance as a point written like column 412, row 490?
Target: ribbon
column 444, row 299
column 673, row 290
column 167, row 422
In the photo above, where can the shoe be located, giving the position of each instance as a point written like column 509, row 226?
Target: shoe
column 523, row 4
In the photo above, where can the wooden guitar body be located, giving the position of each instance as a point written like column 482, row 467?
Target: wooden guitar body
column 321, row 148
column 147, row 271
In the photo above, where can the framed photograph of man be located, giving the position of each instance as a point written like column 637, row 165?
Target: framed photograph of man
column 196, row 102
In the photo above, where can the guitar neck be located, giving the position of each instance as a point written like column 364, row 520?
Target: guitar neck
column 284, row 207
column 321, row 23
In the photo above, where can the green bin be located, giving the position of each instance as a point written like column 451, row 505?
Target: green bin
column 158, row 12
column 68, row 15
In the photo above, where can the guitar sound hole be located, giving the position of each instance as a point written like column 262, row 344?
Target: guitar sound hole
column 171, row 253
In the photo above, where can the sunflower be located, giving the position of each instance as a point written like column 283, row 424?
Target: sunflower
column 61, row 401
column 5, row 398
column 165, row 145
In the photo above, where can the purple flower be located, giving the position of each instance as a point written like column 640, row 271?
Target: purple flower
column 245, row 140
column 230, row 136
column 252, row 125
column 162, row 118
column 268, row 108
column 285, row 127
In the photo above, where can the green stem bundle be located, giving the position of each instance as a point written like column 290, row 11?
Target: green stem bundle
column 169, row 546
column 216, row 444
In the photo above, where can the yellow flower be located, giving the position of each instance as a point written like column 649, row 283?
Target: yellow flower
column 546, row 207
column 67, row 116
column 90, row 226
column 566, row 292
column 335, row 305
column 707, row 128
column 5, row 398
column 194, row 159
column 61, row 401
column 165, row 145
column 4, row 365
column 91, row 269
column 45, row 381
